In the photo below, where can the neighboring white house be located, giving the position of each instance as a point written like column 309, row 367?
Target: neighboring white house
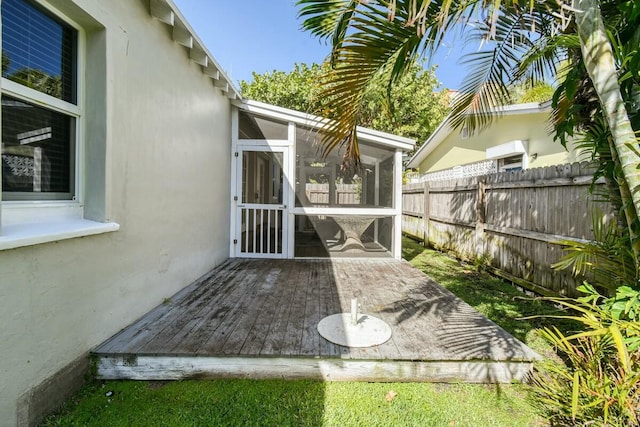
column 519, row 138
column 130, row 167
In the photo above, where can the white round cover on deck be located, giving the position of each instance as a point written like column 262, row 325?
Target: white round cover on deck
column 367, row 332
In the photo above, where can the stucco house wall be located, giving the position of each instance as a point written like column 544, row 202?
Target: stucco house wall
column 157, row 162
column 532, row 127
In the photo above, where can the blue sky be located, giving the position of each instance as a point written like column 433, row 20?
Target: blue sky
column 264, row 35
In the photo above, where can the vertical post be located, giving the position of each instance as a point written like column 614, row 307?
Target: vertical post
column 480, row 217
column 235, row 219
column 376, row 198
column 396, row 241
column 426, row 213
column 354, row 311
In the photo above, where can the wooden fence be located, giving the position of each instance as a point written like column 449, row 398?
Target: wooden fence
column 510, row 221
column 345, row 194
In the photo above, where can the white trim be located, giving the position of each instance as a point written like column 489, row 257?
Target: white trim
column 396, row 240
column 309, row 120
column 28, row 234
column 370, row 212
column 40, row 99
column 25, row 219
column 290, row 183
column 234, row 189
column 240, row 205
column 39, row 211
column 264, row 143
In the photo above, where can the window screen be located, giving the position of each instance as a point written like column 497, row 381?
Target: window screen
column 38, row 50
column 37, row 151
column 256, row 127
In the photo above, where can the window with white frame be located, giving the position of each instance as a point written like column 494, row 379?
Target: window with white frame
column 511, row 163
column 40, row 103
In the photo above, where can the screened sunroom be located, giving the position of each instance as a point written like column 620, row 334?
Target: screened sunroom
column 290, row 202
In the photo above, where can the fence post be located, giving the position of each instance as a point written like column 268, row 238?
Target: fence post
column 425, row 215
column 480, row 217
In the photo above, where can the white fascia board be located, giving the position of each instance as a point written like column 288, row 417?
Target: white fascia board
column 180, row 21
column 443, row 130
column 528, row 108
column 310, row 120
column 372, row 135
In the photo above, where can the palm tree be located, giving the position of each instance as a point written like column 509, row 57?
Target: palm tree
column 380, row 39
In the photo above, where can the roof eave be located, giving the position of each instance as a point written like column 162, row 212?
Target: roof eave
column 310, row 120
column 167, row 12
column 443, row 130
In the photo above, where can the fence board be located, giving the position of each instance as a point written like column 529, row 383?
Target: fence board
column 512, row 221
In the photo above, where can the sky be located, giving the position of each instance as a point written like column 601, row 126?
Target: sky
column 248, row 36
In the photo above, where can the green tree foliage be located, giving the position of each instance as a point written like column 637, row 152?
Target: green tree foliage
column 33, row 78
column 538, row 92
column 6, row 62
column 414, row 111
column 38, row 80
column 296, row 89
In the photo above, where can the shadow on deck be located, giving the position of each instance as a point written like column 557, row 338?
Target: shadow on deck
column 258, row 318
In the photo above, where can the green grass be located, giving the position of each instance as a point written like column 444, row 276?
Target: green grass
column 315, row 403
column 293, row 403
column 495, row 298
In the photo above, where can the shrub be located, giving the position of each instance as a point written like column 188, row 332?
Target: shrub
column 599, row 381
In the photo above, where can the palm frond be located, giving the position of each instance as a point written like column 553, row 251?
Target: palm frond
column 608, row 258
column 543, row 59
column 326, row 18
column 375, row 48
column 492, row 69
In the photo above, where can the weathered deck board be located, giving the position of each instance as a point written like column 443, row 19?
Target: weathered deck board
column 271, row 308
column 176, row 328
column 140, row 330
column 295, row 323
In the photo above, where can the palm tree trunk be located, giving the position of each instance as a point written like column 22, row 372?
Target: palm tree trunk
column 598, row 58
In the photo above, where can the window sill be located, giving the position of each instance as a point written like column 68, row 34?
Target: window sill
column 28, row 234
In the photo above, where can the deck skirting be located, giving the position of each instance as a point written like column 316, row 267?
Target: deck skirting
column 327, row 369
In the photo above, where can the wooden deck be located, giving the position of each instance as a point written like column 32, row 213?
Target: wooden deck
column 258, row 318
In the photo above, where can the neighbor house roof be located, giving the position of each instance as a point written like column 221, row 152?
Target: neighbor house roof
column 166, row 11
column 310, row 120
column 445, row 129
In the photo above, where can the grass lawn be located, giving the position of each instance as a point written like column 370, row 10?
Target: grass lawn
column 314, row 403
column 294, row 403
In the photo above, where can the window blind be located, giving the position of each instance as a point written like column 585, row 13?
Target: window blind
column 38, row 50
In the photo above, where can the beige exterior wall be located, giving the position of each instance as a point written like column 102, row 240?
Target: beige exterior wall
column 535, row 128
column 164, row 162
